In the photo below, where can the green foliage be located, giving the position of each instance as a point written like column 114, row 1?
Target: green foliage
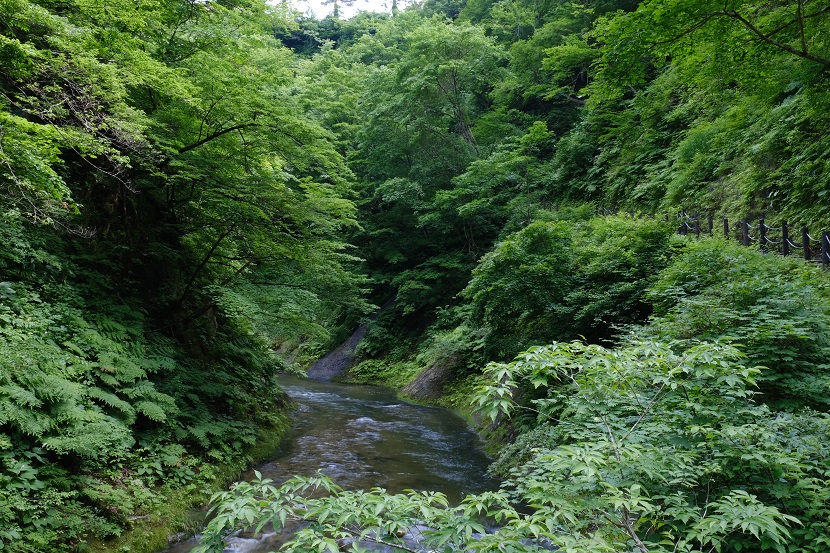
column 168, row 214
column 453, row 341
column 40, row 510
column 66, row 384
column 776, row 309
column 727, row 32
column 423, row 99
column 89, row 402
column 78, row 388
column 386, row 372
column 646, row 106
column 176, row 204
column 560, row 279
column 645, row 449
column 698, row 104
column 424, row 107
column 641, row 446
column 340, row 519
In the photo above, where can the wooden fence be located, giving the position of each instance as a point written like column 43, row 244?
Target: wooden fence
column 770, row 239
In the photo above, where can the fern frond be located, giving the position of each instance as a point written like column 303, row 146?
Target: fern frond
column 152, row 411
column 20, row 396
column 112, row 400
column 52, row 388
column 24, row 420
column 94, row 436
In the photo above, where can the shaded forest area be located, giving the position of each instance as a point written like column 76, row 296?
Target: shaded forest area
column 197, row 195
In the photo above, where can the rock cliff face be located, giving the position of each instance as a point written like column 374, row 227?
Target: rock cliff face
column 429, row 384
column 340, row 359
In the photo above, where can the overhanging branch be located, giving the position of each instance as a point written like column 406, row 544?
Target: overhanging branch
column 215, row 135
column 767, row 37
column 769, row 40
column 239, row 127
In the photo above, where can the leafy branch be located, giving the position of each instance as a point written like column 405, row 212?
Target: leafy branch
column 766, row 36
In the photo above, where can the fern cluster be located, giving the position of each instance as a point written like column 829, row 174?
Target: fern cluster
column 100, row 409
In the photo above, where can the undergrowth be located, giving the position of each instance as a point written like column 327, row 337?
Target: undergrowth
column 394, row 374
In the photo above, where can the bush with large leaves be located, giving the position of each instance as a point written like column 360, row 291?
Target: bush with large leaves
column 641, row 446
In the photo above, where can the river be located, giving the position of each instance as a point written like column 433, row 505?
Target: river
column 365, row 437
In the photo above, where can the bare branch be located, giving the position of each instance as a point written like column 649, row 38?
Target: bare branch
column 801, row 19
column 204, row 262
column 801, row 25
column 697, row 26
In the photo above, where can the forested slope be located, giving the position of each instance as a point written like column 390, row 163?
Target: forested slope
column 169, row 220
column 466, row 122
column 195, row 195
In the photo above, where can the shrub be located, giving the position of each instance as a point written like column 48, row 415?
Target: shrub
column 395, row 374
column 560, row 279
column 776, row 309
column 641, row 447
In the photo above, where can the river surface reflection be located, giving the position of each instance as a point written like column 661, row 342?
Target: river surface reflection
column 364, row 437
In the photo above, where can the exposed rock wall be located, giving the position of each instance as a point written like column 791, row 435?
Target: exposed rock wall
column 342, row 358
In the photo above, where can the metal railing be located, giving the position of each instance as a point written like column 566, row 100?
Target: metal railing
column 771, row 239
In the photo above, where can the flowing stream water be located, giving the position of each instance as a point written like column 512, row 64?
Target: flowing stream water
column 364, row 437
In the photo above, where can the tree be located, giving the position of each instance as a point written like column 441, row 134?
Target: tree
column 560, row 279
column 167, row 212
column 734, row 30
column 423, row 103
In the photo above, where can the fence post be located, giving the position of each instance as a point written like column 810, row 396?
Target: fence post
column 805, row 243
column 745, row 237
column 763, row 239
column 711, row 224
column 825, row 249
column 725, row 227
column 785, row 238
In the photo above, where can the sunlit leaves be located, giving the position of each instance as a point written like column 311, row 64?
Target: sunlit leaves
column 189, row 217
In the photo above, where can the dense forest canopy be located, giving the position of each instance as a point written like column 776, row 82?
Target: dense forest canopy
column 195, row 195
